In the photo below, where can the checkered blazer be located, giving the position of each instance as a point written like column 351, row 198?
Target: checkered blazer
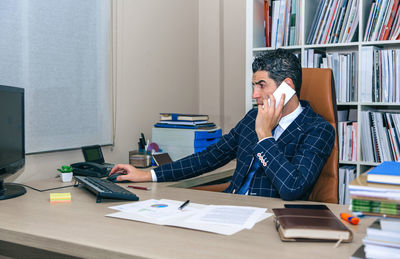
column 289, row 166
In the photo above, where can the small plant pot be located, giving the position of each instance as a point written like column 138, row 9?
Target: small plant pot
column 66, row 177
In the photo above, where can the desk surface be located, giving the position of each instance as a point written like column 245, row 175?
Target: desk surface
column 80, row 228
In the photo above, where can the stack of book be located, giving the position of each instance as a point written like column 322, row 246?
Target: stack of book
column 382, row 240
column 377, row 192
column 184, row 121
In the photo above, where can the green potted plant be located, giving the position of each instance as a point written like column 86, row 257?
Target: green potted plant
column 66, row 173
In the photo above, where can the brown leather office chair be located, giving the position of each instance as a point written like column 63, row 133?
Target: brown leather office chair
column 318, row 89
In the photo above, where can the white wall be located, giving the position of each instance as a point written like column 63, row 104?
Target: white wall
column 156, row 71
column 169, row 56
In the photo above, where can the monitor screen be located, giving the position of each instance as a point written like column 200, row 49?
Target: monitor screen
column 12, row 135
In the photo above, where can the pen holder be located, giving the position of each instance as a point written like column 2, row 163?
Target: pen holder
column 139, row 159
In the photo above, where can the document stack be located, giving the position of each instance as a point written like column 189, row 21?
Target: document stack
column 382, row 240
column 377, row 199
column 181, row 135
column 220, row 219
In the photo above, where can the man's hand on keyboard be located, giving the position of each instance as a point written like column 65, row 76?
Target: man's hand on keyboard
column 130, row 173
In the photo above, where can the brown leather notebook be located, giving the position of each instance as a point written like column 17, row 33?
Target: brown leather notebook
column 298, row 224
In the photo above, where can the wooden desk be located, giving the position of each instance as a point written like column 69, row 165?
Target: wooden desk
column 80, row 229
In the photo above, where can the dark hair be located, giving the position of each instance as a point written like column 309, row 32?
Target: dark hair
column 280, row 64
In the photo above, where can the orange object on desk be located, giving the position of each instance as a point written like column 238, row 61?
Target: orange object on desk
column 349, row 218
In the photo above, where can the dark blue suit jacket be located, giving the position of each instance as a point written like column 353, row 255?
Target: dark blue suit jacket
column 289, row 166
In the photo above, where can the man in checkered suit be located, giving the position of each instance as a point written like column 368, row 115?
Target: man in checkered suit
column 279, row 151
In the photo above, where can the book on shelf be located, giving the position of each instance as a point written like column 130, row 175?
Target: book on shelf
column 267, row 22
column 349, row 30
column 299, row 224
column 383, row 21
column 344, row 66
column 395, row 28
column 183, row 117
column 336, row 21
column 346, row 175
column 370, row 21
column 387, row 172
column 315, row 21
column 347, row 133
column 281, row 21
column 380, row 136
column 323, row 19
column 377, row 20
column 329, row 22
column 389, row 21
column 386, row 86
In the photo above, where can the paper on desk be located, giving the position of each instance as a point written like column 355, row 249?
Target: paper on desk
column 194, row 216
column 241, row 216
column 159, row 210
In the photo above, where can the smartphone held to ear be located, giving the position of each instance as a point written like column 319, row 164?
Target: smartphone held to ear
column 283, row 88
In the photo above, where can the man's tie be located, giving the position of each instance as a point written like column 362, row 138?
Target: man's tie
column 256, row 165
column 249, row 177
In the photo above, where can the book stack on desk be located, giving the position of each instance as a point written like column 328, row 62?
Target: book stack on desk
column 184, row 121
column 375, row 199
column 181, row 135
column 382, row 240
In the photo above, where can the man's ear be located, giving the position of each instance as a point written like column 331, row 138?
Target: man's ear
column 289, row 81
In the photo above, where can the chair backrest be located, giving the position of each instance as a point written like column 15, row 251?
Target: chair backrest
column 318, row 88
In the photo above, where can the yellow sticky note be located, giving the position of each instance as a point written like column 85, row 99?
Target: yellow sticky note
column 60, row 197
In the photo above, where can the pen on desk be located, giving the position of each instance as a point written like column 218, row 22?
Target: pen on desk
column 184, row 205
column 139, row 187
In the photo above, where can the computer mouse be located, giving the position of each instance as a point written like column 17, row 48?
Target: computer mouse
column 113, row 178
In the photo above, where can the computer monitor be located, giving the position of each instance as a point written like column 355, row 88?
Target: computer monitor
column 12, row 138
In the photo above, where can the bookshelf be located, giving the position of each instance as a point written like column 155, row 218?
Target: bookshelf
column 308, row 9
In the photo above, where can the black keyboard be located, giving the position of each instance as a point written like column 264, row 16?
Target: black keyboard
column 105, row 189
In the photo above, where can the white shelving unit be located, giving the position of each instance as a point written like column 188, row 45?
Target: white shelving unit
column 255, row 44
